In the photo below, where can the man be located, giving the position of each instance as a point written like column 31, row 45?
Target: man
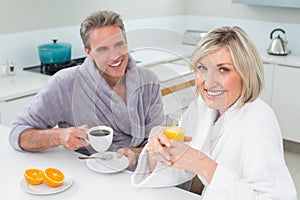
column 107, row 89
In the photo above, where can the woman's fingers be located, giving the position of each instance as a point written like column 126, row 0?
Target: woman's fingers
column 177, row 151
column 129, row 154
column 159, row 153
column 158, row 150
column 157, row 133
column 187, row 138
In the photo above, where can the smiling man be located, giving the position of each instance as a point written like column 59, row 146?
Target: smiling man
column 107, row 89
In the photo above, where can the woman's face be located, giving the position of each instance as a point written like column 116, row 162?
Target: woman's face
column 220, row 84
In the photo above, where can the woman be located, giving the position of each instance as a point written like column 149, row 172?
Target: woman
column 237, row 149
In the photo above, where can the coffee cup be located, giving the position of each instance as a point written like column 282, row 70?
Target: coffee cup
column 100, row 137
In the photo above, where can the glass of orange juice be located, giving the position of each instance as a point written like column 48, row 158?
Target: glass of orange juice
column 173, row 129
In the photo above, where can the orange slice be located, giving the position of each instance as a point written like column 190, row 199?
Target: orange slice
column 34, row 176
column 174, row 133
column 53, row 177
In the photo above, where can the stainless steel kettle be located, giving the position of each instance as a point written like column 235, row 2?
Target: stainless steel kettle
column 278, row 44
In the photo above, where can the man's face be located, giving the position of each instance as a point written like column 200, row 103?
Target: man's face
column 109, row 51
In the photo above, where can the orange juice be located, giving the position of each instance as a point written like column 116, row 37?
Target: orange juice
column 174, row 133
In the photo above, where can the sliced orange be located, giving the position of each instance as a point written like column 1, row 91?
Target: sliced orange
column 175, row 133
column 53, row 177
column 34, row 176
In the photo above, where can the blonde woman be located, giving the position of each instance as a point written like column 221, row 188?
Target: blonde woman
column 236, row 149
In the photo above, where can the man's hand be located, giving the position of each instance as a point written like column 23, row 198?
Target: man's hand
column 74, row 137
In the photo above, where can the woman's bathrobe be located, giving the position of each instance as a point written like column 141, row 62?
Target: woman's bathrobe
column 246, row 143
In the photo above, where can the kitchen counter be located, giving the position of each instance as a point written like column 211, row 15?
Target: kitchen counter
column 170, row 63
column 22, row 84
column 86, row 182
column 292, row 59
column 153, row 55
column 16, row 91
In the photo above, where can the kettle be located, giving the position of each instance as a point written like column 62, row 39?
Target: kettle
column 278, row 44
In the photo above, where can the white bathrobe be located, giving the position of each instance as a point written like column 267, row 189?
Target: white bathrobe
column 246, row 142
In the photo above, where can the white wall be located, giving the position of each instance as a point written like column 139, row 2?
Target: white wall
column 26, row 24
column 29, row 15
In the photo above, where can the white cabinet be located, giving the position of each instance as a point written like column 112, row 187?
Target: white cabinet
column 267, row 91
column 286, row 100
column 10, row 108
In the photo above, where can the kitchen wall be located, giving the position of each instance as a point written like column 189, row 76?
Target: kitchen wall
column 29, row 15
column 258, row 21
column 28, row 23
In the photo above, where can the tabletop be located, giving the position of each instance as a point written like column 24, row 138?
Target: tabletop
column 86, row 182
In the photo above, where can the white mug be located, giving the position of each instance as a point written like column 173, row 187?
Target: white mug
column 100, row 137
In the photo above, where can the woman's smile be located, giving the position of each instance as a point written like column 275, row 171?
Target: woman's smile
column 214, row 93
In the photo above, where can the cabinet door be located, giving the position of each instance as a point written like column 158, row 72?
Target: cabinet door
column 9, row 109
column 286, row 100
column 267, row 91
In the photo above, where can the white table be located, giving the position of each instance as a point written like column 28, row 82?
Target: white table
column 87, row 184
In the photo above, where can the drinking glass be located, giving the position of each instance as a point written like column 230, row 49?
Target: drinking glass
column 173, row 129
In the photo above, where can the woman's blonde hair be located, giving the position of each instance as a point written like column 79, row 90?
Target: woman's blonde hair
column 244, row 54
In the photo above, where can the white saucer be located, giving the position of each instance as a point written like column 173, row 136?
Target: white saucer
column 44, row 189
column 108, row 166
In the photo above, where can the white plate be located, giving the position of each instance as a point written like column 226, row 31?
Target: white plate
column 44, row 189
column 108, row 166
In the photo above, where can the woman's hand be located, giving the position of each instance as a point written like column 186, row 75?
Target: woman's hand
column 157, row 142
column 130, row 154
column 159, row 147
column 181, row 154
column 187, row 158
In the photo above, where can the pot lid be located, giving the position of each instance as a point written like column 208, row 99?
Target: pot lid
column 54, row 45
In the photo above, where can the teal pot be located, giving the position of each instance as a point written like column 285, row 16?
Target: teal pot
column 55, row 53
